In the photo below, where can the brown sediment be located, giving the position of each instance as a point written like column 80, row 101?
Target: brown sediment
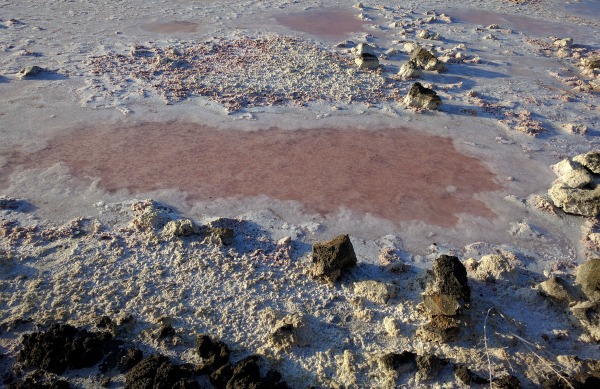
column 397, row 174
column 171, row 27
column 329, row 24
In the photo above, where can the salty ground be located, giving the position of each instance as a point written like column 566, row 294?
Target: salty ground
column 254, row 111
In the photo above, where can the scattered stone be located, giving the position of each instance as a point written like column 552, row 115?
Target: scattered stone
column 409, row 70
column 590, row 160
column 495, row 267
column 177, row 228
column 559, row 290
column 575, row 128
column 591, row 62
column 30, row 71
column 566, row 42
column 402, row 363
column 62, row 347
column 375, row 291
column 506, row 382
column 588, row 277
column 410, row 47
column 332, row 258
column 426, row 34
column 421, row 97
column 449, row 292
column 367, row 61
column 441, row 329
column 157, row 371
column 467, row 377
column 292, row 330
column 429, row 366
column 213, row 354
column 364, row 48
column 426, row 60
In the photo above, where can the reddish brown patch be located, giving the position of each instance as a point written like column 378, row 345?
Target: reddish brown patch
column 395, row 174
column 328, row 24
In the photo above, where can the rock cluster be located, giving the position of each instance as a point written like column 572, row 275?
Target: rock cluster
column 576, row 190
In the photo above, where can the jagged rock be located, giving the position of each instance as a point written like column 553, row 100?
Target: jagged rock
column 30, row 71
column 409, row 70
column 292, row 330
column 426, row 60
column 375, row 291
column 148, row 216
column 402, row 363
column 332, row 258
column 584, row 202
column 246, row 373
column 219, row 235
column 441, row 329
column 577, row 178
column 129, row 359
column 559, row 290
column 506, row 382
column 429, row 366
column 157, row 371
column 367, row 61
column 590, row 160
column 213, row 354
column 495, row 267
column 591, row 62
column 449, row 292
column 588, row 277
column 363, row 48
column 221, row 376
column 410, row 47
column 565, row 166
column 421, row 97
column 467, row 377
column 176, row 228
column 63, row 347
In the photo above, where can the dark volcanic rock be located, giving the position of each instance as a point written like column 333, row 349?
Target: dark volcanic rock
column 332, row 258
column 213, row 354
column 40, row 380
column 62, row 347
column 450, row 291
column 466, row 376
column 429, row 366
column 507, row 382
column 402, row 363
column 157, row 371
column 130, row 358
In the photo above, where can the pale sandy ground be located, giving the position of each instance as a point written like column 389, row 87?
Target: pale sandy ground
column 504, row 72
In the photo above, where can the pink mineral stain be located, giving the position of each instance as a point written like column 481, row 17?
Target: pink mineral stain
column 328, row 24
column 173, row 27
column 396, row 174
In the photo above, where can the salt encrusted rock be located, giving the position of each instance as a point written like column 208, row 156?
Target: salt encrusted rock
column 30, row 71
column 577, row 178
column 182, row 227
column 588, row 277
column 426, row 34
column 576, row 128
column 590, row 160
column 367, row 61
column 148, row 216
column 363, row 48
column 213, row 354
column 566, row 42
column 441, row 329
column 420, row 97
column 495, row 267
column 449, row 292
column 565, row 166
column 429, row 366
column 391, row 326
column 584, row 202
column 332, row 258
column 402, row 363
column 591, row 62
column 427, row 60
column 559, row 290
column 292, row 330
column 409, row 70
column 410, row 47
column 375, row 291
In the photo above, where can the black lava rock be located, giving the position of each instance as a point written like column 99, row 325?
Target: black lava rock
column 213, row 354
column 158, row 372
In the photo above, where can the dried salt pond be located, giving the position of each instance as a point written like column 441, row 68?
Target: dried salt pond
column 171, row 27
column 327, row 24
column 396, row 174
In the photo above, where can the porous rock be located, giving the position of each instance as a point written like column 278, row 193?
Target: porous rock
column 420, row 97
column 506, row 382
column 375, row 291
column 495, row 267
column 391, row 326
column 148, row 216
column 584, row 202
column 467, row 377
column 588, row 277
column 213, row 354
column 590, row 160
column 292, row 330
column 449, row 292
column 62, row 347
column 441, row 329
column 401, row 363
column 157, row 371
column 177, row 228
column 591, row 62
column 577, row 178
column 426, row 60
column 429, row 366
column 39, row 379
column 332, row 258
column 409, row 70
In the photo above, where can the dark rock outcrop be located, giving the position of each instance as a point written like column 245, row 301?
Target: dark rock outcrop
column 157, row 371
column 449, row 292
column 332, row 258
column 214, row 354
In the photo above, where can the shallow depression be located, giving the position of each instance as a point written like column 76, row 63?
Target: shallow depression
column 396, row 174
column 328, row 24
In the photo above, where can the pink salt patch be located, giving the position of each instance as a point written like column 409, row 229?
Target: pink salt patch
column 394, row 174
column 328, row 24
column 171, row 27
